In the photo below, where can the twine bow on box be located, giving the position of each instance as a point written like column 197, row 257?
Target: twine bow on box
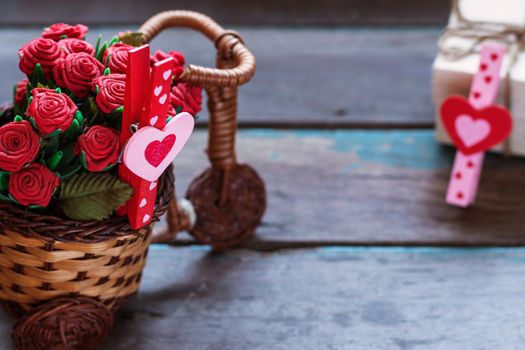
column 479, row 32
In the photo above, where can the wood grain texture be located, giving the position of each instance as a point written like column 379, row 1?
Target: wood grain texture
column 369, row 187
column 247, row 12
column 305, row 77
column 327, row 298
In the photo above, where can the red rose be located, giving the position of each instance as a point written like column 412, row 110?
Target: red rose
column 76, row 72
column 71, row 45
column 51, row 111
column 59, row 31
column 20, row 92
column 33, row 185
column 43, row 51
column 188, row 97
column 111, row 91
column 100, row 146
column 19, row 145
column 179, row 60
column 118, row 57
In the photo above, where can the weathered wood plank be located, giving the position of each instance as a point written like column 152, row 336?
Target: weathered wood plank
column 306, row 77
column 271, row 12
column 328, row 298
column 369, row 187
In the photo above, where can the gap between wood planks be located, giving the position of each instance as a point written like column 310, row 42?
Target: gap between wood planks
column 301, row 125
column 273, row 246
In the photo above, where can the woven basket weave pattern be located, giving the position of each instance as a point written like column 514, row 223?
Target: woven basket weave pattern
column 33, row 270
column 105, row 264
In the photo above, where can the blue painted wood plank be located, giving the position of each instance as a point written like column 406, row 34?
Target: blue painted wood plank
column 326, row 298
column 369, row 187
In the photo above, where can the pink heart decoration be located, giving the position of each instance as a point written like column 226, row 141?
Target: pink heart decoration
column 150, row 150
column 472, row 131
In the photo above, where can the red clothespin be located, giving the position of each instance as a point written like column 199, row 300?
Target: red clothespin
column 150, row 150
column 137, row 79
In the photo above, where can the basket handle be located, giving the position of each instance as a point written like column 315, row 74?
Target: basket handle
column 228, row 43
column 235, row 66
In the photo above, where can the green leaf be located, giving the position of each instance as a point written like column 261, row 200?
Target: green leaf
column 79, row 117
column 54, row 134
column 113, row 40
column 178, row 109
column 18, row 119
column 106, row 72
column 91, row 196
column 92, row 106
column 83, row 160
column 14, row 93
column 4, row 180
column 71, row 169
column 133, row 39
column 68, row 154
column 29, row 88
column 38, row 75
column 5, row 198
column 51, row 146
column 73, row 131
column 54, row 160
column 97, row 45
column 32, row 121
column 101, row 51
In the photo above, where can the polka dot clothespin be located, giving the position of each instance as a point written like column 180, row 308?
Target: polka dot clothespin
column 475, row 125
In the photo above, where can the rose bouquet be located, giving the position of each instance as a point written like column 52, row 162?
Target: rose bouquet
column 59, row 143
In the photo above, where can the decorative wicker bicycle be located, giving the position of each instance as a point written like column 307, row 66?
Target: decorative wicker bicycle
column 66, row 278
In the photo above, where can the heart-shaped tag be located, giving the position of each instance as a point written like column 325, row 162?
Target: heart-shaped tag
column 156, row 151
column 475, row 130
column 150, row 150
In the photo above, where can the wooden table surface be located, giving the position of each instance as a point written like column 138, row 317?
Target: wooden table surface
column 358, row 249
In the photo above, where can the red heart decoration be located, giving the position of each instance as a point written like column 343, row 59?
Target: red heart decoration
column 156, row 151
column 475, row 130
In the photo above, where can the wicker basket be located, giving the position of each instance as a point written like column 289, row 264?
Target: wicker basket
column 66, row 278
column 96, row 265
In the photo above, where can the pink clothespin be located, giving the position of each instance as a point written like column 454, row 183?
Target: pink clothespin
column 475, row 125
column 150, row 150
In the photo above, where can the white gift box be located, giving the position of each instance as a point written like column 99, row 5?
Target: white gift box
column 454, row 77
